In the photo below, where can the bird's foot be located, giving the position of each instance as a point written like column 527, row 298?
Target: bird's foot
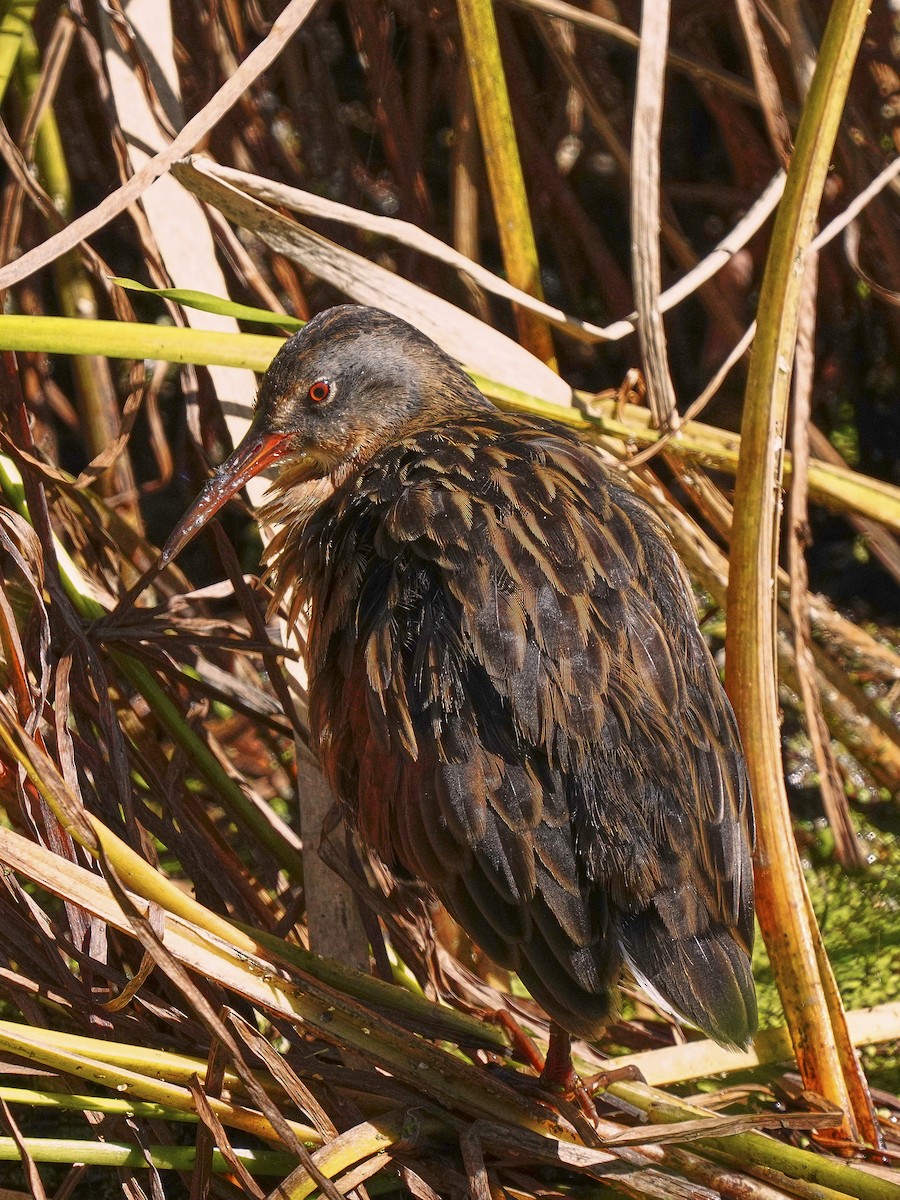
column 559, row 1075
column 604, row 1079
column 558, row 1081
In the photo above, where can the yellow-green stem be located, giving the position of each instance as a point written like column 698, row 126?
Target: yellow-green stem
column 15, row 23
column 20, row 1042
column 120, row 339
column 747, row 1151
column 818, row 1031
column 839, row 488
column 504, row 168
column 116, row 1154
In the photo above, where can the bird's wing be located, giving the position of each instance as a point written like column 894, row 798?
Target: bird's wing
column 536, row 696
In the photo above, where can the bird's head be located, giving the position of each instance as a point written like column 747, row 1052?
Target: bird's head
column 351, row 380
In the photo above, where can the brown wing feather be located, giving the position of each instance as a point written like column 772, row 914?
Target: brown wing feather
column 532, row 723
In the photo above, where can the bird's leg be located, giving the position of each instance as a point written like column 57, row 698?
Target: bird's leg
column 524, row 1047
column 560, row 1078
column 558, row 1081
column 557, row 1073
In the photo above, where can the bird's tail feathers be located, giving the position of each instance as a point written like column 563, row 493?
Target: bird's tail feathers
column 704, row 980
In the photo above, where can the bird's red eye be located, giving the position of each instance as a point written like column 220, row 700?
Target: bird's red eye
column 319, row 391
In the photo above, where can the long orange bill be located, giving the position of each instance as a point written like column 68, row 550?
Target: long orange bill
column 258, row 449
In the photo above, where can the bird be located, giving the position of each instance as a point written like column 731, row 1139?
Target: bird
column 509, row 692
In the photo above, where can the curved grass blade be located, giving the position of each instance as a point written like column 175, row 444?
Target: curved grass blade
column 206, row 302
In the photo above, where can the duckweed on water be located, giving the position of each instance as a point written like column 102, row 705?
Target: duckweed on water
column 859, row 915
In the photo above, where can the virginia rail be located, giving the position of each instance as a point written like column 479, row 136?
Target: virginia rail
column 509, row 693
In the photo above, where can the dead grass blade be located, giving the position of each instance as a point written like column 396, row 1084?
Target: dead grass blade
column 847, row 846
column 284, row 27
column 766, row 83
column 404, row 233
column 473, row 343
column 646, row 266
column 693, row 67
column 763, row 1156
column 177, row 225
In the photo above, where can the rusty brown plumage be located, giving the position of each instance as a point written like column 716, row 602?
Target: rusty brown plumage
column 509, row 692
